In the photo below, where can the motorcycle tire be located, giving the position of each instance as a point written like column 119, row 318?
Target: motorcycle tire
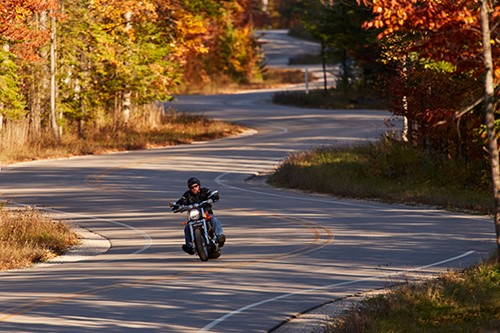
column 201, row 245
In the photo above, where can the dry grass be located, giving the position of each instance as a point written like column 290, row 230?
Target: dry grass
column 391, row 172
column 465, row 301
column 351, row 98
column 271, row 78
column 27, row 236
column 147, row 130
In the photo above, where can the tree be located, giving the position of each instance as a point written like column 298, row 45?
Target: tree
column 18, row 25
column 231, row 53
column 114, row 57
column 489, row 104
column 22, row 35
column 457, row 32
column 337, row 25
column 11, row 100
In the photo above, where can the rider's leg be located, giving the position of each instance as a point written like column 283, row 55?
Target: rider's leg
column 221, row 238
column 188, row 247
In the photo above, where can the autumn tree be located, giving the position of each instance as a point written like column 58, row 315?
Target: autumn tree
column 337, row 26
column 21, row 37
column 232, row 50
column 115, row 58
column 463, row 33
column 118, row 57
column 19, row 27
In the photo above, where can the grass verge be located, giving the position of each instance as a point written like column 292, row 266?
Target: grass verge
column 270, row 78
column 351, row 98
column 390, row 172
column 27, row 236
column 464, row 301
column 461, row 301
column 171, row 129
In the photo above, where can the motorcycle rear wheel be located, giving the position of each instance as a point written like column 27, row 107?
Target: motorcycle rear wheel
column 201, row 245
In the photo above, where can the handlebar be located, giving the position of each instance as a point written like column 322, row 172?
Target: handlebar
column 213, row 197
column 183, row 208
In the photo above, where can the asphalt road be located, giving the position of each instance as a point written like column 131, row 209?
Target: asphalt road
column 285, row 252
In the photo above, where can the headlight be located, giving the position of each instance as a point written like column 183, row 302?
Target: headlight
column 194, row 214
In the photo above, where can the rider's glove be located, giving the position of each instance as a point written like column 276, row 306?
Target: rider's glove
column 175, row 207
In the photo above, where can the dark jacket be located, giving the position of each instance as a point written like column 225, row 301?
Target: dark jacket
column 189, row 198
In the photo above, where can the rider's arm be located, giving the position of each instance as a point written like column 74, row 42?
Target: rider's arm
column 184, row 200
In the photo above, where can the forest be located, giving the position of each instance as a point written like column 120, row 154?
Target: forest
column 437, row 63
column 71, row 67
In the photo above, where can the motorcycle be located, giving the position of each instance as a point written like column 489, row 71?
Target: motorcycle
column 200, row 227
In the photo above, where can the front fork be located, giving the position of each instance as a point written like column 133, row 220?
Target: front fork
column 205, row 233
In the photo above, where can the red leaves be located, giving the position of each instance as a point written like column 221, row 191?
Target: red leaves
column 21, row 24
column 449, row 29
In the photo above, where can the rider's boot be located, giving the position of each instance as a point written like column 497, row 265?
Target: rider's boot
column 221, row 239
column 188, row 248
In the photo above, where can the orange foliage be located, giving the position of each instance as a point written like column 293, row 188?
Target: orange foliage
column 450, row 29
column 118, row 13
column 19, row 27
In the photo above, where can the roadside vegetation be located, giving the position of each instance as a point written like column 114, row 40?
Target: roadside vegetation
column 389, row 171
column 459, row 301
column 333, row 98
column 27, row 236
column 269, row 78
column 153, row 128
column 464, row 301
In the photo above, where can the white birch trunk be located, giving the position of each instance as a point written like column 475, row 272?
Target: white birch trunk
column 53, row 113
column 127, row 94
column 490, row 117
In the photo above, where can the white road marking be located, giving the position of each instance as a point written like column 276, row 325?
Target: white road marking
column 242, row 309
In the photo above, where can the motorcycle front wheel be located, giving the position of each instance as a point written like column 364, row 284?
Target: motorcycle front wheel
column 201, row 244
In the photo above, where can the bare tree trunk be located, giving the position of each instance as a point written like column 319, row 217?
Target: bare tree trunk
column 35, row 104
column 127, row 94
column 37, row 85
column 53, row 116
column 323, row 64
column 404, row 131
column 490, row 117
column 126, row 105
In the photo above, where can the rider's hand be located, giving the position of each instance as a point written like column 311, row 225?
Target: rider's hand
column 175, row 207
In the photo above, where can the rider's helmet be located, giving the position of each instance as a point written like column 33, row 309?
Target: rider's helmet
column 193, row 180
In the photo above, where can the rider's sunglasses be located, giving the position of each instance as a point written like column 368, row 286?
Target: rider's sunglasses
column 194, row 186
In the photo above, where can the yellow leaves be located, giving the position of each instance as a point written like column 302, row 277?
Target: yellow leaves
column 120, row 11
column 378, row 24
column 412, row 14
column 387, row 13
column 191, row 28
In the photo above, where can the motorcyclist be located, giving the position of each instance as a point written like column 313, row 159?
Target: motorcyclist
column 197, row 194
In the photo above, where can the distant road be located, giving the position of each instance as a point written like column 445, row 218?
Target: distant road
column 286, row 251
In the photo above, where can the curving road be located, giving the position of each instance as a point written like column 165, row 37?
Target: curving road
column 286, row 251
